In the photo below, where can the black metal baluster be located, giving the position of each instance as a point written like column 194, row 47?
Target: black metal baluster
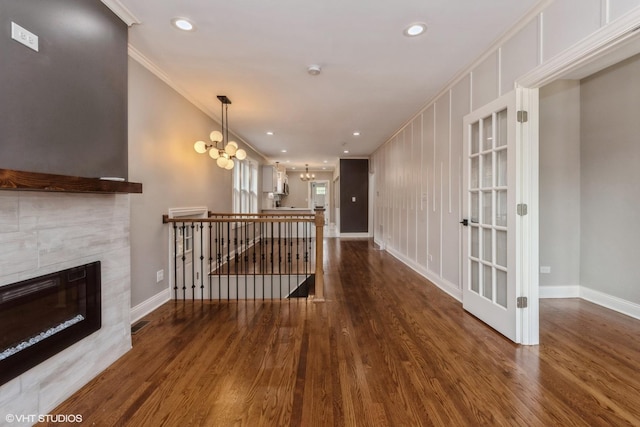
column 184, row 258
column 209, row 276
column 228, row 258
column 280, row 259
column 219, row 226
column 175, row 264
column 255, row 244
column 298, row 251
column 201, row 261
column 193, row 262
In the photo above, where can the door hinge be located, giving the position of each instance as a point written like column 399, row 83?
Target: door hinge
column 522, row 302
column 522, row 116
column 522, row 209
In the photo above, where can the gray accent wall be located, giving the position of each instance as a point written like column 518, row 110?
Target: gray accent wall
column 163, row 127
column 560, row 183
column 610, row 178
column 63, row 109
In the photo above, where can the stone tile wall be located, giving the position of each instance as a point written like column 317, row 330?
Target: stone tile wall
column 45, row 232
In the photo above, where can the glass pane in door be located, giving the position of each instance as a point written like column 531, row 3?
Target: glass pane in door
column 501, row 173
column 487, row 253
column 487, row 208
column 475, row 242
column 475, row 277
column 487, row 282
column 487, row 170
column 475, row 207
column 487, row 133
column 501, row 248
column 501, row 208
column 475, row 172
column 501, row 288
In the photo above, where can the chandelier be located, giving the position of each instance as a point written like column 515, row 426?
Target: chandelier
column 222, row 154
column 307, row 176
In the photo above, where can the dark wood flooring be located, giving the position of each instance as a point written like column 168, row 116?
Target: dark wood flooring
column 386, row 349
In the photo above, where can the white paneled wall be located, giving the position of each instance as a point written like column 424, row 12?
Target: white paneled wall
column 418, row 171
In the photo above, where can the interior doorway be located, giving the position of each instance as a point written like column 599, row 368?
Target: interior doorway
column 588, row 196
column 320, row 197
column 573, row 66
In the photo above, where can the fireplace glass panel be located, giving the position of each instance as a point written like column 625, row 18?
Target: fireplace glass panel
column 40, row 317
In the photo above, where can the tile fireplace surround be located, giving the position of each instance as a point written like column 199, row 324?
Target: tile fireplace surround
column 45, row 232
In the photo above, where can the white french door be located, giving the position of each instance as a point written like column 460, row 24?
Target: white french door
column 490, row 236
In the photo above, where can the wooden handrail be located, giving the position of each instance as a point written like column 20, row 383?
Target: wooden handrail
column 309, row 219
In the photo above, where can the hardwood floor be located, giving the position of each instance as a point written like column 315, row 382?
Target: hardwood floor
column 386, row 349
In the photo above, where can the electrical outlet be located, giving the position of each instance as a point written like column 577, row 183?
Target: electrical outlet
column 159, row 276
column 24, row 36
column 545, row 269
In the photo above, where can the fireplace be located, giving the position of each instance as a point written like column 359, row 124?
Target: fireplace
column 42, row 316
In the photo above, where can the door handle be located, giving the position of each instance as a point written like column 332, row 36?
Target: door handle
column 465, row 222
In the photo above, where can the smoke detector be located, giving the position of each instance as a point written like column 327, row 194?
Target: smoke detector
column 314, row 70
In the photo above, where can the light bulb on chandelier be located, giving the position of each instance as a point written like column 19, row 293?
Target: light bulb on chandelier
column 307, row 176
column 224, row 155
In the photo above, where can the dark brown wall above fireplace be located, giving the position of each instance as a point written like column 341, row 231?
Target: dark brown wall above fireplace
column 64, row 108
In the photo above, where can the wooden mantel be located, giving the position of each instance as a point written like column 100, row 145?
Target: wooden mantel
column 35, row 181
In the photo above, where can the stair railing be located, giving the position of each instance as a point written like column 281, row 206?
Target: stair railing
column 229, row 256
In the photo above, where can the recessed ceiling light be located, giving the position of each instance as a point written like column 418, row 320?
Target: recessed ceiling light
column 182, row 24
column 415, row 29
column 283, row 151
column 346, row 151
column 326, row 161
column 270, row 133
column 356, row 133
column 324, row 169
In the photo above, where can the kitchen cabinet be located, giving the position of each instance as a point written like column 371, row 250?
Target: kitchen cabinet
column 274, row 180
column 269, row 179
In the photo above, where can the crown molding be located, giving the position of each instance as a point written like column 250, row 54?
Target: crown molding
column 122, row 12
column 136, row 55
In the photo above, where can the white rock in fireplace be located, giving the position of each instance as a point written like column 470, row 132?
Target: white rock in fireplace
column 45, row 232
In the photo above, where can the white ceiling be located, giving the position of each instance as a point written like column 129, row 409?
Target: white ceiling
column 373, row 78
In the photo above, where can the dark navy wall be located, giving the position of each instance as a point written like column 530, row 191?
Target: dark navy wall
column 354, row 182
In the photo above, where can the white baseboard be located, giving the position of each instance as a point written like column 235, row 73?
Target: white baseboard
column 440, row 282
column 605, row 300
column 356, row 235
column 550, row 292
column 146, row 307
column 609, row 301
column 380, row 244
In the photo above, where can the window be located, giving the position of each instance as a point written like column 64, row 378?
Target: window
column 245, row 186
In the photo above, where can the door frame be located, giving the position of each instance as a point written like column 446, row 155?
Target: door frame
column 327, row 198
column 589, row 50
